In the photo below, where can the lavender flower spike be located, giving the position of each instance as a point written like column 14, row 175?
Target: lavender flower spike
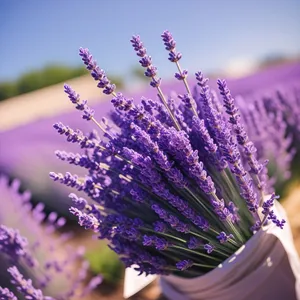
column 97, row 73
column 6, row 294
column 174, row 57
column 151, row 71
column 184, row 264
column 239, row 129
column 145, row 61
column 81, row 105
column 25, row 287
column 170, row 46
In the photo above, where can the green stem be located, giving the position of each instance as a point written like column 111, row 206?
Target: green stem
column 195, row 252
column 163, row 99
column 187, row 88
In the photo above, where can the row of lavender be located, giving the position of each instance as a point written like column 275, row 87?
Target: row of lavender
column 178, row 186
column 272, row 120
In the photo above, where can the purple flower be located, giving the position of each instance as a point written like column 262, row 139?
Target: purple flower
column 170, row 45
column 6, row 294
column 223, row 237
column 209, row 248
column 78, row 202
column 81, row 105
column 184, row 264
column 35, row 250
column 160, row 226
column 194, row 243
column 145, row 61
column 182, row 75
column 97, row 73
column 25, row 287
column 85, row 220
column 242, row 137
column 138, row 46
column 269, row 133
column 269, row 212
column 15, row 245
column 186, row 99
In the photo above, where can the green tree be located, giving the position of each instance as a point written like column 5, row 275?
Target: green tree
column 7, row 90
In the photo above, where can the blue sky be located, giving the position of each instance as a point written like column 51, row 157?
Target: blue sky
column 209, row 33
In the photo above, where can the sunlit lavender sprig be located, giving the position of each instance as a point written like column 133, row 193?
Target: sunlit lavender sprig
column 176, row 182
column 36, row 262
column 174, row 57
column 97, row 73
column 151, row 72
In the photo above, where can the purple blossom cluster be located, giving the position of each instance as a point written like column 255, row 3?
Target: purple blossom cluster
column 176, row 182
column 33, row 260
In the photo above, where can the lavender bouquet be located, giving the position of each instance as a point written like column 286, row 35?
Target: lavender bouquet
column 178, row 190
column 35, row 260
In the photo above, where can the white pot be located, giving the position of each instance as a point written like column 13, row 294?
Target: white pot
column 266, row 267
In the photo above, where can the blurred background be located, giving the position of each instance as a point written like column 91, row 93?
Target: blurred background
column 254, row 44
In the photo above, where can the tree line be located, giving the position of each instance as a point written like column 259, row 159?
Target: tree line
column 44, row 77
